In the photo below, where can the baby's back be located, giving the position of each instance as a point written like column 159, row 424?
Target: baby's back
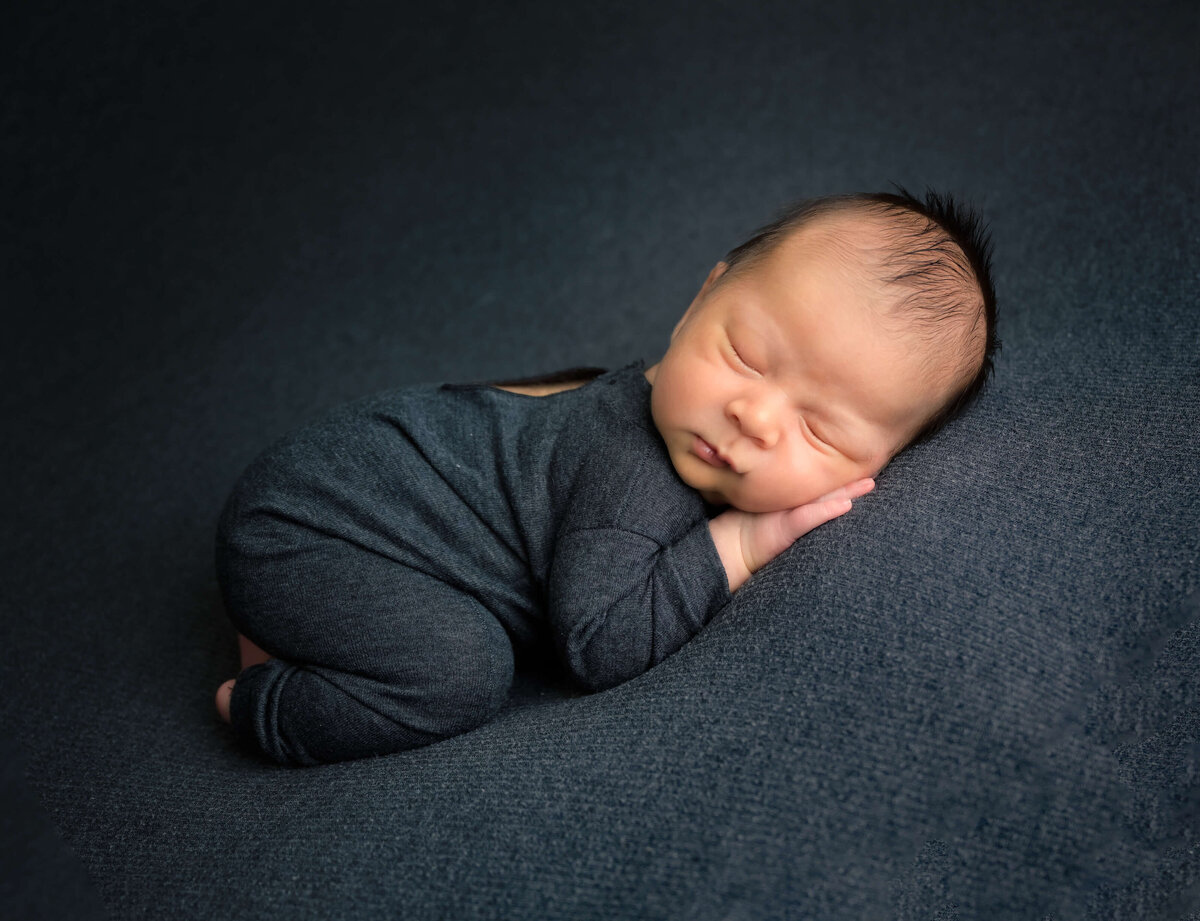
column 465, row 483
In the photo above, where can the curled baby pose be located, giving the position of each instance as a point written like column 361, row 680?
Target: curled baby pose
column 384, row 565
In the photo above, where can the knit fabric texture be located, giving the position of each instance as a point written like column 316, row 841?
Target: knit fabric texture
column 972, row 697
column 391, row 555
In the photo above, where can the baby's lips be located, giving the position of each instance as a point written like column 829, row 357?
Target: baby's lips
column 708, row 453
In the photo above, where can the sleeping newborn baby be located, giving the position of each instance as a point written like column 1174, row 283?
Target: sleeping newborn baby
column 384, row 565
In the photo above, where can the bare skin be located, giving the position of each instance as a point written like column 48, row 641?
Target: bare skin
column 542, row 390
column 784, row 393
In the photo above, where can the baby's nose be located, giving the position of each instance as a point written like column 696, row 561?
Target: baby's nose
column 758, row 418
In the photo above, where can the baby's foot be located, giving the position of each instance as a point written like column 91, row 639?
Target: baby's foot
column 250, row 655
column 224, row 692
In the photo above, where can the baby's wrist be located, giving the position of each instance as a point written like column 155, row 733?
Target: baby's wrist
column 726, row 533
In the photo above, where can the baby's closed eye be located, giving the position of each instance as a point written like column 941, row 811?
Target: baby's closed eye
column 813, row 433
column 743, row 359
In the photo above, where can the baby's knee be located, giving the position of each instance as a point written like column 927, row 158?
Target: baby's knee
column 471, row 681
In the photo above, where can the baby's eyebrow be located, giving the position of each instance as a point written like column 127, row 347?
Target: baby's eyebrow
column 744, row 322
column 763, row 336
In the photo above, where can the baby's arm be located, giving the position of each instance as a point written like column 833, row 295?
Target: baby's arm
column 746, row 541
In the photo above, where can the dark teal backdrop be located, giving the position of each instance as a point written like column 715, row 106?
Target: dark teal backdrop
column 974, row 697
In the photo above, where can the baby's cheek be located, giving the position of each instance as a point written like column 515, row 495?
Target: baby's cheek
column 796, row 484
column 812, row 485
column 770, row 495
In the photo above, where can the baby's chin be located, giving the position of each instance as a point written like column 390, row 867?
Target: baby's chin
column 746, row 503
column 716, row 498
column 756, row 504
column 713, row 497
column 761, row 505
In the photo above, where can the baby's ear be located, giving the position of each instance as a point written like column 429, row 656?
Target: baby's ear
column 717, row 271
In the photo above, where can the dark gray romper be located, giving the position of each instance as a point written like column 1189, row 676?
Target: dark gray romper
column 393, row 553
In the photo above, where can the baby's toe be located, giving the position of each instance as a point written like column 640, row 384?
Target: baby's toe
column 224, row 692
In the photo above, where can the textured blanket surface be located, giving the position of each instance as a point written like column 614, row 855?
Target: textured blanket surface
column 975, row 696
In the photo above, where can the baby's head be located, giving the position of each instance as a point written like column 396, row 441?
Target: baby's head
column 834, row 338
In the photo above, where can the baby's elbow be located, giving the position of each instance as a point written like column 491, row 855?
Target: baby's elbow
column 600, row 662
column 592, row 679
column 604, row 637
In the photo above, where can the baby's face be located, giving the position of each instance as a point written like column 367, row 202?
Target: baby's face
column 781, row 383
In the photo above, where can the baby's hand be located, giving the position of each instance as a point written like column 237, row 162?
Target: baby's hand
column 747, row 541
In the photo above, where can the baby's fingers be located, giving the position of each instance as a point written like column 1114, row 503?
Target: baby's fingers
column 850, row 490
column 799, row 521
column 762, row 537
column 803, row 519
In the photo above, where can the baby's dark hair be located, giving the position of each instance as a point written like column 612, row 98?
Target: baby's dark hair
column 936, row 255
